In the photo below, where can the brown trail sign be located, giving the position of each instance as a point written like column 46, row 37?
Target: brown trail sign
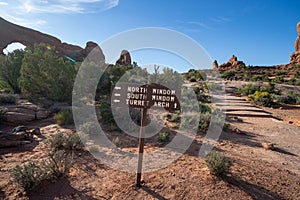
column 144, row 97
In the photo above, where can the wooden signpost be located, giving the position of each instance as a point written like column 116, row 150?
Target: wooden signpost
column 144, row 97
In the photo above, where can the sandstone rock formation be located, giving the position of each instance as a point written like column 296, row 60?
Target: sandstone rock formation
column 295, row 57
column 10, row 33
column 25, row 112
column 215, row 65
column 125, row 58
column 232, row 63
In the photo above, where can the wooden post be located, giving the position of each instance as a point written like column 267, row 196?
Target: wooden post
column 141, row 147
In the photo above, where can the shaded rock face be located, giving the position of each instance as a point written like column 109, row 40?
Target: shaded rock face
column 295, row 57
column 25, row 112
column 232, row 63
column 125, row 58
column 10, row 33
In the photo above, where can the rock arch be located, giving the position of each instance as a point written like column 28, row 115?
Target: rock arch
column 11, row 33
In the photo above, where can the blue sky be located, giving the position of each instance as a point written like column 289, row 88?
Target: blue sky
column 257, row 32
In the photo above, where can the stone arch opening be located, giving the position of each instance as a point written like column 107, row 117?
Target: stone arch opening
column 13, row 46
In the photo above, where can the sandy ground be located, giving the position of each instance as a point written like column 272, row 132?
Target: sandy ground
column 256, row 173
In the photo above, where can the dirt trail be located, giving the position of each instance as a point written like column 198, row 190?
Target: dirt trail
column 265, row 126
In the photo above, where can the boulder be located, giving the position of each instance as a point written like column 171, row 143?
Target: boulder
column 125, row 58
column 25, row 112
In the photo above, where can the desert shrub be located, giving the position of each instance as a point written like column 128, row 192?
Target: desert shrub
column 46, row 75
column 226, row 127
column 64, row 117
column 290, row 98
column 58, row 164
column 10, row 66
column 105, row 112
column 7, row 99
column 279, row 79
column 3, row 112
column 248, row 89
column 204, row 108
column 214, row 86
column 256, row 78
column 174, row 117
column 260, row 98
column 163, row 137
column 28, row 176
column 71, row 141
column 57, row 141
column 88, row 128
column 201, row 96
column 116, row 141
column 217, row 163
column 270, row 88
column 94, row 149
column 228, row 74
column 74, row 141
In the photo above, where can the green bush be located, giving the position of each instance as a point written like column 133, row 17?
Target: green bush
column 261, row 98
column 71, row 141
column 270, row 88
column 88, row 128
column 226, row 127
column 10, row 66
column 163, row 137
column 28, row 176
column 3, row 112
column 64, row 117
column 290, row 98
column 57, row 141
column 106, row 113
column 228, row 74
column 248, row 89
column 94, row 149
column 58, row 164
column 7, row 99
column 217, row 163
column 46, row 75
column 116, row 141
column 74, row 141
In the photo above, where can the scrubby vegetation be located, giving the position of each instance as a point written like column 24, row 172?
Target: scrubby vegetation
column 3, row 111
column 57, row 164
column 217, row 163
column 46, row 75
column 62, row 141
column 64, row 117
column 28, row 175
column 267, row 95
column 163, row 137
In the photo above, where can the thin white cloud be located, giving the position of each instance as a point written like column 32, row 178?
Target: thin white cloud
column 194, row 24
column 219, row 19
column 3, row 3
column 29, row 12
column 65, row 6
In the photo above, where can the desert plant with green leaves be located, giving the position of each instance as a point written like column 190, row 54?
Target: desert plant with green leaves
column 28, row 175
column 217, row 164
column 64, row 117
column 163, row 137
column 58, row 164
